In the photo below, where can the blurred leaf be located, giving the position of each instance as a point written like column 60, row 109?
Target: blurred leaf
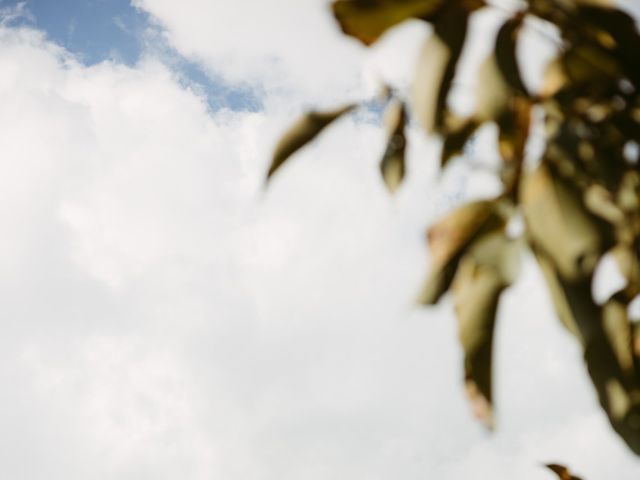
column 456, row 138
column 554, row 78
column 447, row 239
column 599, row 201
column 493, row 93
column 436, row 68
column 606, row 339
column 591, row 64
column 392, row 165
column 628, row 262
column 505, row 52
column 556, row 292
column 514, row 124
column 561, row 471
column 616, row 31
column 366, row 20
column 490, row 264
column 560, row 225
column 619, row 332
column 302, row 132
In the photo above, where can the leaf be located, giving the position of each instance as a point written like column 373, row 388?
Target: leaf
column 556, row 292
column 505, row 52
column 619, row 332
column 301, row 133
column 392, row 165
column 600, row 202
column 489, row 266
column 447, row 239
column 615, row 30
column 606, row 341
column 591, row 64
column 493, row 93
column 560, row 225
column 366, row 20
column 629, row 265
column 456, row 138
column 436, row 68
column 561, row 471
column 514, row 124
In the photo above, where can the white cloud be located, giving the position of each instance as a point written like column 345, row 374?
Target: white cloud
column 164, row 317
column 287, row 44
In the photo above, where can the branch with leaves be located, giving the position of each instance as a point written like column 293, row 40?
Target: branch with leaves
column 580, row 202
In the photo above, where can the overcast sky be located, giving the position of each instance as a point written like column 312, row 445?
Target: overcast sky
column 165, row 317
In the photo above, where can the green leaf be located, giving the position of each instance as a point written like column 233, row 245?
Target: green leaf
column 366, row 20
column 392, row 165
column 301, row 133
column 447, row 240
column 436, row 68
column 559, row 224
column 489, row 266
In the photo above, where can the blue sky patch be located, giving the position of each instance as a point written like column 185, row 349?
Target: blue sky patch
column 97, row 30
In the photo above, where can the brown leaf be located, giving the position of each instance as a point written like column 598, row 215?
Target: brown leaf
column 392, row 165
column 366, row 20
column 561, row 471
column 505, row 51
column 301, row 133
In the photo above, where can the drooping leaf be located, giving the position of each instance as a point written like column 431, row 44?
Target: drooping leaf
column 605, row 337
column 561, row 471
column 392, row 165
column 436, row 68
column 619, row 332
column 556, row 292
column 366, row 20
column 628, row 263
column 560, row 225
column 493, row 93
column 489, row 265
column 600, row 202
column 514, row 124
column 447, row 239
column 505, row 52
column 302, row 132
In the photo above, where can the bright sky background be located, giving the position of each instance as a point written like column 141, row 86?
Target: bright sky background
column 165, row 317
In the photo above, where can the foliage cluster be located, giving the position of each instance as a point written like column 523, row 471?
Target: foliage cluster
column 579, row 203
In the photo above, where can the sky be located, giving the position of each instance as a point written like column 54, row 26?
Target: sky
column 167, row 317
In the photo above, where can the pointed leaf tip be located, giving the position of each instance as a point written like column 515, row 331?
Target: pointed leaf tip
column 392, row 165
column 301, row 133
